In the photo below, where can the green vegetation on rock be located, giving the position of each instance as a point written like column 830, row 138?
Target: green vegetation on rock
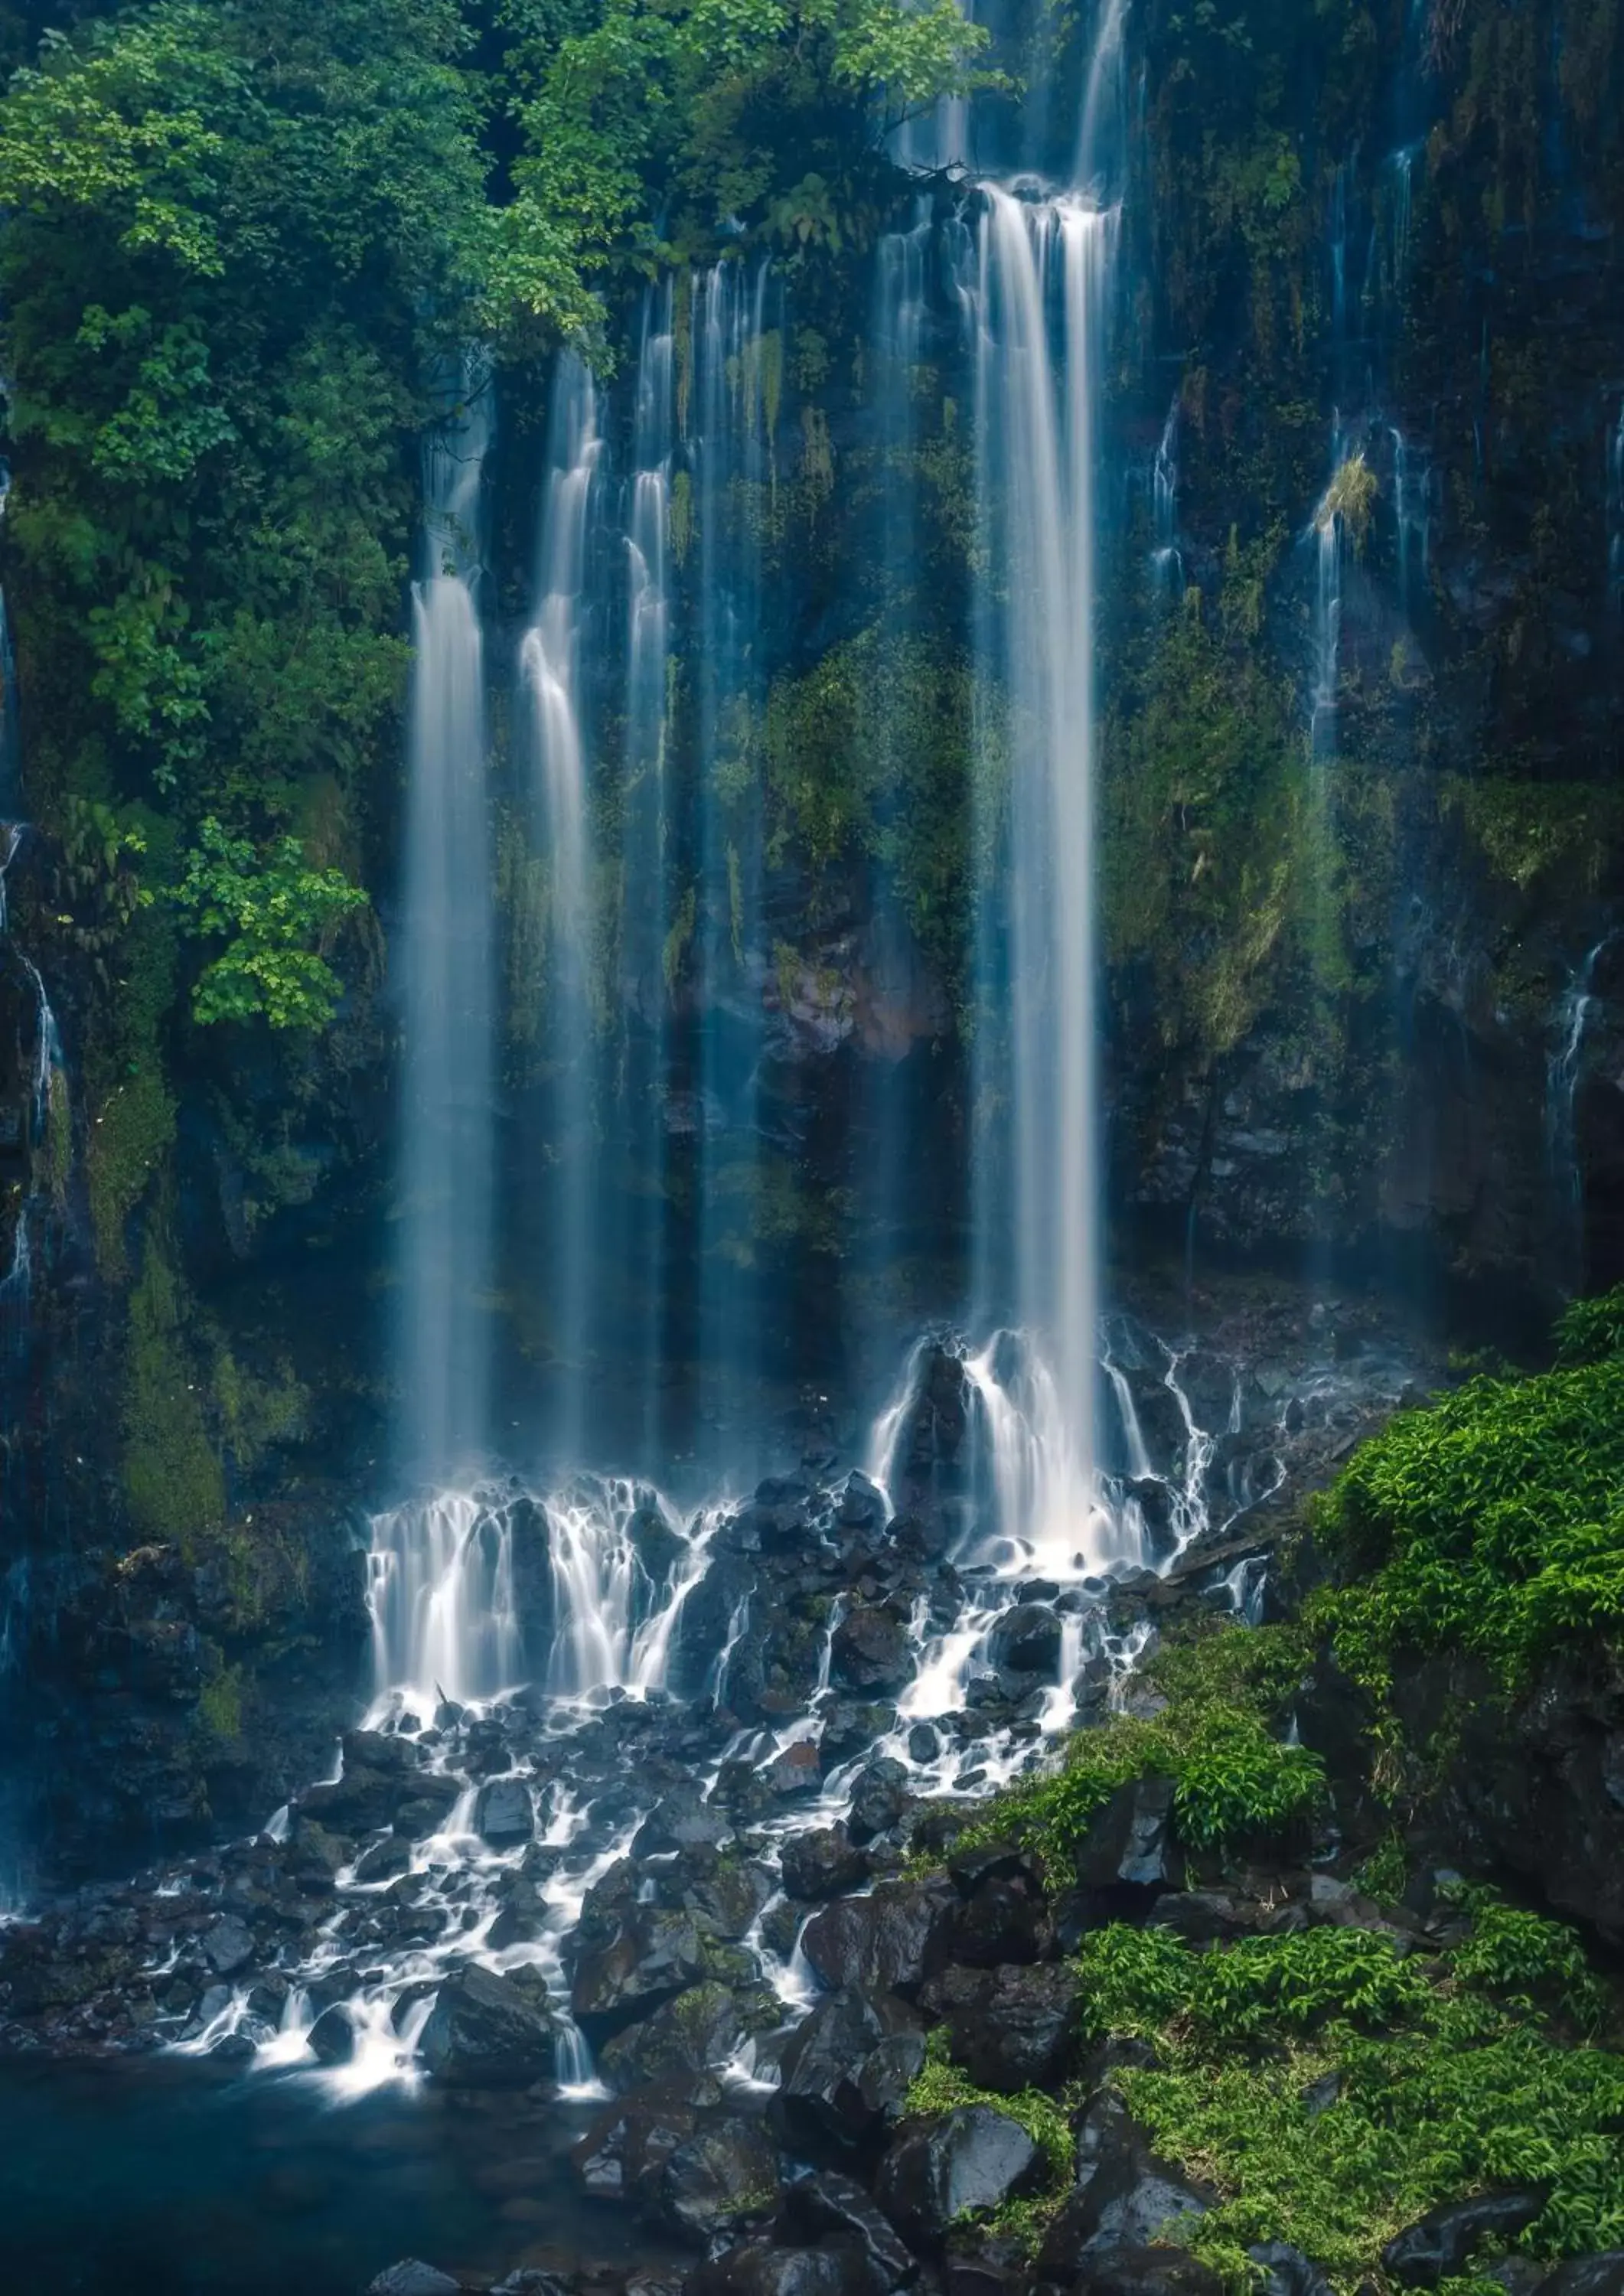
column 1334, row 2088
column 1235, row 1780
column 1491, row 1523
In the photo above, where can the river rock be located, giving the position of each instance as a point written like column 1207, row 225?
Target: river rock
column 823, row 1864
column 1133, row 2270
column 826, row 2203
column 482, row 2033
column 411, row 2277
column 1026, row 1643
column 333, row 2037
column 870, row 1650
column 655, row 1951
column 845, row 2074
column 229, row 1945
column 895, row 1938
column 878, row 1800
column 1285, row 2271
column 1587, row 2275
column 1439, row 2245
column 935, row 2171
column 1010, row 2029
column 503, row 1816
column 682, row 2045
column 726, row 2173
column 761, row 2268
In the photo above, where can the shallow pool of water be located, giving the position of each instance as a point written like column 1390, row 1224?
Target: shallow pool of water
column 144, row 2179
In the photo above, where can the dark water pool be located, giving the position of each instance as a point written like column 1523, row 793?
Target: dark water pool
column 140, row 2180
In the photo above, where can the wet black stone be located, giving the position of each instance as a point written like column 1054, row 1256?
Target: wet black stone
column 1439, row 2244
column 938, row 2171
column 823, row 1863
column 482, row 2033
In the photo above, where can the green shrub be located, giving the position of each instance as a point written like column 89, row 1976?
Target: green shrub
column 1491, row 1523
column 1233, row 1778
column 1332, row 2090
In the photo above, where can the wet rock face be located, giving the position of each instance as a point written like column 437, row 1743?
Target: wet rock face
column 1440, row 2244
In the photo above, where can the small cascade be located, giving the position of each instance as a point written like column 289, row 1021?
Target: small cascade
column 646, row 852
column 551, row 672
column 441, row 1596
column 1615, row 516
column 1412, row 516
column 444, row 940
column 1328, row 538
column 1564, row 1073
column 622, row 1569
column 1167, row 564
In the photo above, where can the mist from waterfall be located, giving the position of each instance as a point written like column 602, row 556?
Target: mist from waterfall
column 444, row 941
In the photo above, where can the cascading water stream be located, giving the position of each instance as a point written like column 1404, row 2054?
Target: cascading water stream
column 1040, row 308
column 647, row 855
column 737, row 381
column 447, row 1117
column 551, row 672
column 1564, row 1071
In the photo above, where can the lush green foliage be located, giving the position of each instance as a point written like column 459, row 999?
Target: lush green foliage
column 1332, row 2090
column 1217, row 1739
column 1491, row 1523
column 709, row 116
column 268, row 912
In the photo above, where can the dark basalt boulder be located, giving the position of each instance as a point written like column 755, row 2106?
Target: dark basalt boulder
column 1005, row 1921
column 1587, row 2275
column 827, row 2202
column 878, row 1800
column 1135, row 2269
column 333, row 2037
column 718, row 2179
column 1026, row 1643
column 862, row 1506
column 835, row 2267
column 482, row 2033
column 655, row 1951
column 686, row 2042
column 845, row 2074
column 1440, row 2245
column 1012, row 2027
column 1130, row 1844
column 870, row 1651
column 1285, row 2271
column 623, row 2153
column 823, row 1864
column 938, row 2169
column 228, row 1945
column 680, row 1822
column 411, row 2277
column 503, row 1816
column 1124, row 2196
column 892, row 1940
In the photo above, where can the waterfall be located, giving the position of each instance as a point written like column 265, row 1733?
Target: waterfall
column 445, row 941
column 1564, row 1071
column 647, row 850
column 1166, row 564
column 1615, row 516
column 1328, row 538
column 441, row 1597
column 1038, row 306
column 737, row 381
column 550, row 676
